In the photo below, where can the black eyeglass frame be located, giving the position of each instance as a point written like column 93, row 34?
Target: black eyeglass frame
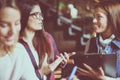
column 36, row 14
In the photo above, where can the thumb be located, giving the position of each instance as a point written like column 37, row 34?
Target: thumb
column 101, row 71
column 45, row 59
column 72, row 53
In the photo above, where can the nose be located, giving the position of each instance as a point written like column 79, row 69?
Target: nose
column 41, row 18
column 94, row 20
column 12, row 30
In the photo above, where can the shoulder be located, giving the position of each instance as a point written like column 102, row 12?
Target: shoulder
column 20, row 50
column 116, row 42
column 19, row 45
column 23, row 59
column 48, row 35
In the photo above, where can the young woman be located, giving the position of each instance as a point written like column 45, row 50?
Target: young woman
column 107, row 40
column 41, row 44
column 13, row 59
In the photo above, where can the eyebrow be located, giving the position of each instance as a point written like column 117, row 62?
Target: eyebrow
column 5, row 22
column 97, row 14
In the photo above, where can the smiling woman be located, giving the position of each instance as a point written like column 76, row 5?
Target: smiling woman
column 107, row 41
column 13, row 58
column 9, row 28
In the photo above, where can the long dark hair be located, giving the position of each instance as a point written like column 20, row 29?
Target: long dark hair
column 112, row 9
column 40, row 40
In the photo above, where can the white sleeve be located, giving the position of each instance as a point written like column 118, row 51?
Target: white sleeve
column 110, row 78
column 28, row 69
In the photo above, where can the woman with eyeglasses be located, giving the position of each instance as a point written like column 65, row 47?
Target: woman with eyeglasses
column 40, row 45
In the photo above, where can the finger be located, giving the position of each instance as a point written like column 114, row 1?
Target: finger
column 101, row 71
column 63, row 57
column 82, row 71
column 66, row 55
column 87, row 67
column 63, row 62
column 57, row 56
column 71, row 54
column 45, row 59
column 87, row 73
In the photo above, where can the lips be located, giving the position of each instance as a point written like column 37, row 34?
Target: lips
column 11, row 38
column 95, row 26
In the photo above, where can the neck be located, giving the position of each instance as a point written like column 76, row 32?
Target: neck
column 6, row 49
column 28, row 36
column 107, row 33
column 2, row 53
column 105, row 36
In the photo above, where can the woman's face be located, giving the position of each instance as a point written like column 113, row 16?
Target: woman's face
column 100, row 21
column 35, row 21
column 9, row 26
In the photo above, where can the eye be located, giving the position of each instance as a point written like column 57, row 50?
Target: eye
column 37, row 15
column 17, row 22
column 99, row 17
column 3, row 25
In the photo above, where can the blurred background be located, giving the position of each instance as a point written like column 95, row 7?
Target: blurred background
column 69, row 22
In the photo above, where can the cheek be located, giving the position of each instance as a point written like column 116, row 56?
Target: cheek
column 31, row 23
column 3, row 32
column 19, row 28
column 104, row 25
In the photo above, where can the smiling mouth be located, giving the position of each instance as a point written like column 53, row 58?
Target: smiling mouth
column 10, row 38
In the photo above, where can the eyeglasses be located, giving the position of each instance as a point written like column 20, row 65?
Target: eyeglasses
column 37, row 15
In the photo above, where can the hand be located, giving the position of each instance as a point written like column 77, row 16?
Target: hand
column 44, row 70
column 60, row 59
column 89, row 72
column 66, row 58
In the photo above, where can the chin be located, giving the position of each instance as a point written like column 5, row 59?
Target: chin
column 10, row 43
column 7, row 46
column 39, row 29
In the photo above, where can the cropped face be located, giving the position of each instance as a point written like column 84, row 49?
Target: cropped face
column 100, row 21
column 35, row 21
column 9, row 26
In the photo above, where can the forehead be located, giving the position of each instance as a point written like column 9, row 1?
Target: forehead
column 99, row 10
column 36, row 8
column 9, row 13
